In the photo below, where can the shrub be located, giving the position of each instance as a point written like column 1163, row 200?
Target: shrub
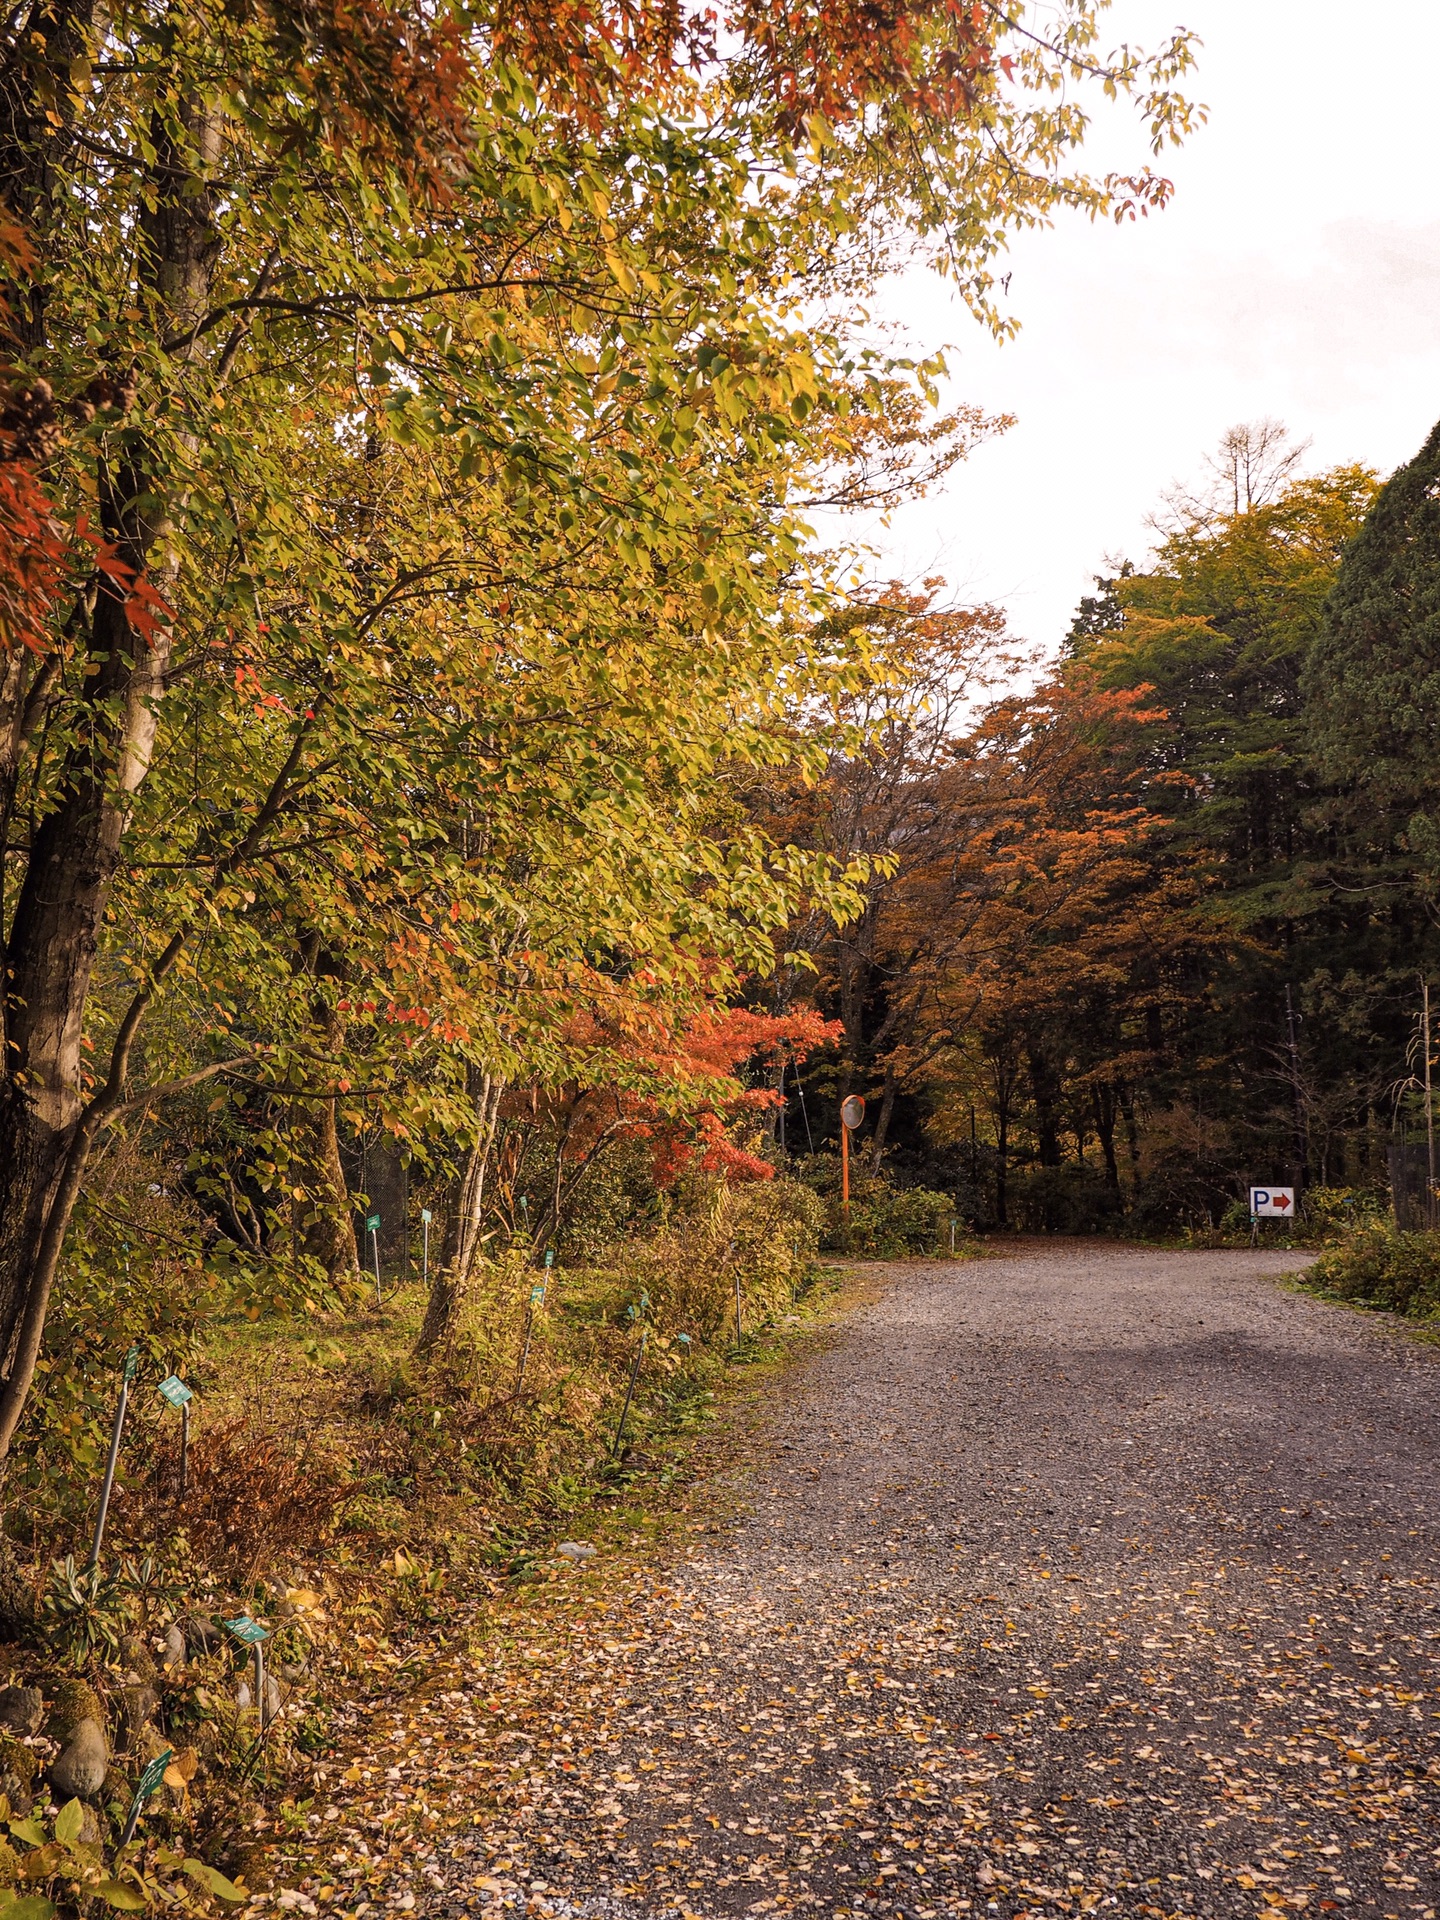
column 766, row 1231
column 251, row 1499
column 887, row 1220
column 1329, row 1213
column 1378, row 1265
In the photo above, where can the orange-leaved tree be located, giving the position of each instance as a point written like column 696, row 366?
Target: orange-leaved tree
column 408, row 412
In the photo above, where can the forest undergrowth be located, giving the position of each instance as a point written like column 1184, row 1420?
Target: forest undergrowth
column 361, row 1505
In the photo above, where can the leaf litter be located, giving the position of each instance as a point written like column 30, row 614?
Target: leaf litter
column 1076, row 1582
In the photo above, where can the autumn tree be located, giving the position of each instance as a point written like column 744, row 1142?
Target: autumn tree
column 1008, row 891
column 895, row 797
column 1225, row 625
column 410, row 413
column 1077, row 952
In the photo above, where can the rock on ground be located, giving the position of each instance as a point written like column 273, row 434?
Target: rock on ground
column 79, row 1773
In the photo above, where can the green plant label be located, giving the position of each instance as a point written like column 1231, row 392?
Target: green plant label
column 426, row 1216
column 372, row 1224
column 152, row 1776
column 174, row 1389
column 537, row 1295
column 249, row 1631
column 132, row 1365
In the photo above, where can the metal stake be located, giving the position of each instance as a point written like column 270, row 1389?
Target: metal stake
column 804, row 1110
column 630, row 1392
column 184, row 1452
column 260, row 1683
column 132, row 1364
column 537, row 1299
column 425, row 1253
column 372, row 1227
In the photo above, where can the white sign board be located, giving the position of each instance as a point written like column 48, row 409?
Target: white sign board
column 1272, row 1203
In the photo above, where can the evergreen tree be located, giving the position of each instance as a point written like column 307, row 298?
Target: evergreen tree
column 1372, row 679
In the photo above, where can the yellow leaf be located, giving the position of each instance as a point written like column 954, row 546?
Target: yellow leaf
column 115, row 1893
column 69, row 1822
column 214, row 1881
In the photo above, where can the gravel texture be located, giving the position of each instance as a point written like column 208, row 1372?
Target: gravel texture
column 1087, row 1579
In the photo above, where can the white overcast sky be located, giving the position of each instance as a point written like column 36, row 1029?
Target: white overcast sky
column 1296, row 274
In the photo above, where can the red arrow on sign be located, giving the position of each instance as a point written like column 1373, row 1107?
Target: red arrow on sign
column 1282, row 1200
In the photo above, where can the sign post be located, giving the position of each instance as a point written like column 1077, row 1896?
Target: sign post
column 852, row 1113
column 174, row 1392
column 250, row 1633
column 537, row 1300
column 107, row 1486
column 372, row 1227
column 425, row 1219
column 145, row 1786
column 1269, row 1203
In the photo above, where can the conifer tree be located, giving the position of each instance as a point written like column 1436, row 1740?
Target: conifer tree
column 1372, row 680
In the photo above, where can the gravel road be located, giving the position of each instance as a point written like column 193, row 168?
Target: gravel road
column 1087, row 1579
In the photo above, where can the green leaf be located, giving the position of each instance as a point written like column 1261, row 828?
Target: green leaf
column 116, row 1893
column 30, row 1831
column 69, row 1822
column 214, row 1881
column 33, row 1907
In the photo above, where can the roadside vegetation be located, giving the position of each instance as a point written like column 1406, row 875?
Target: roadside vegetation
column 347, row 1497
column 462, row 835
column 1377, row 1264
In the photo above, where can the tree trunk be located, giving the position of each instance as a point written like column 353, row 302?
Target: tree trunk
column 1105, row 1132
column 327, row 1230
column 1132, row 1140
column 462, row 1228
column 46, row 1128
column 329, row 1234
column 1045, row 1088
column 882, row 1124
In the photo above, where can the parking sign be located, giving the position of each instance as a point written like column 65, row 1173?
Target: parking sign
column 1272, row 1203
